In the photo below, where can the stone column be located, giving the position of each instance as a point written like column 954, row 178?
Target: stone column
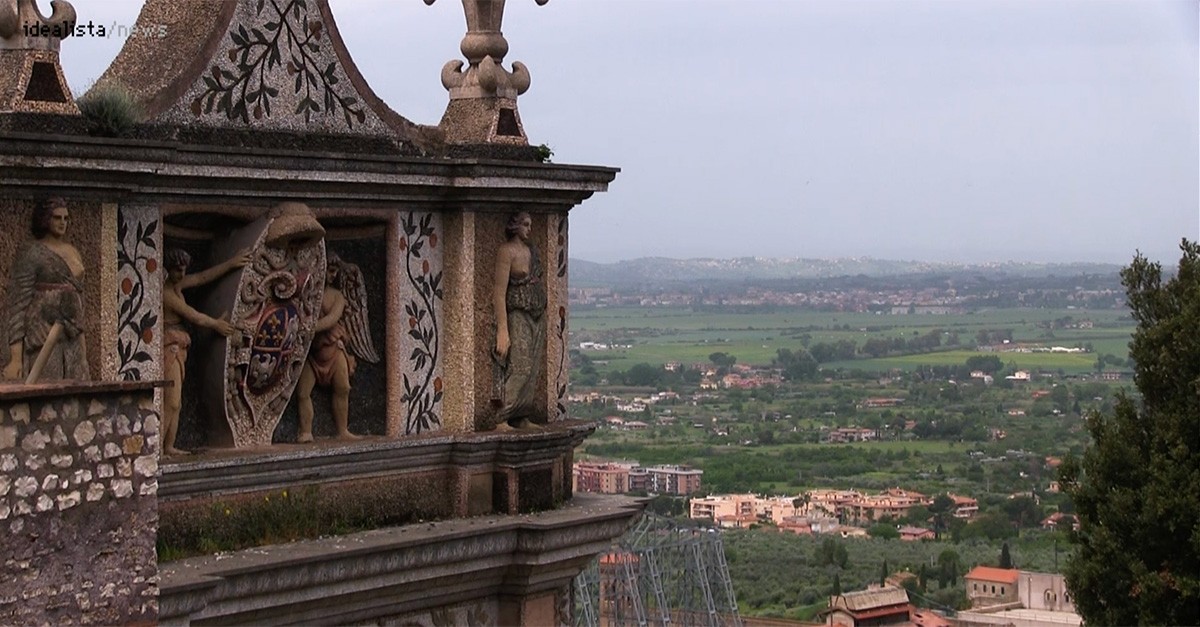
column 392, row 358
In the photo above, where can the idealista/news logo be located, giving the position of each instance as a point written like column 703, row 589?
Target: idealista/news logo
column 62, row 30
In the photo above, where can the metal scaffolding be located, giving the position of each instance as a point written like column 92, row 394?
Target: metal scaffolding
column 659, row 573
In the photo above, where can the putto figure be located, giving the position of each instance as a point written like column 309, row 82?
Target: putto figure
column 45, row 303
column 342, row 335
column 176, row 339
column 519, row 303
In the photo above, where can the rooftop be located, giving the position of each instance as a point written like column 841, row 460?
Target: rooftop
column 989, row 573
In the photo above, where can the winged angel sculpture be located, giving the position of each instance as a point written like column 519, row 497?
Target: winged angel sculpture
column 342, row 337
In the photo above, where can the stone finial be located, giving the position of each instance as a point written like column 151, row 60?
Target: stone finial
column 483, row 96
column 22, row 26
column 31, row 78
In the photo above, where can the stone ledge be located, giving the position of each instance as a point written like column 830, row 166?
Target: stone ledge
column 238, row 472
column 187, row 171
column 396, row 571
column 20, row 391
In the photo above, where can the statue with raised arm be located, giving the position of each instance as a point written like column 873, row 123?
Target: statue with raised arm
column 176, row 339
column 45, row 303
column 519, row 303
column 342, row 337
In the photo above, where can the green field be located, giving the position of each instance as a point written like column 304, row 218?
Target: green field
column 660, row 335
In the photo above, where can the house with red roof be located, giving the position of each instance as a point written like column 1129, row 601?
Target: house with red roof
column 987, row 585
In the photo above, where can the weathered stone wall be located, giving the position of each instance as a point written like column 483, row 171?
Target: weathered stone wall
column 78, row 507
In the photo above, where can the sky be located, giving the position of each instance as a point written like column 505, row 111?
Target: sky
column 1027, row 130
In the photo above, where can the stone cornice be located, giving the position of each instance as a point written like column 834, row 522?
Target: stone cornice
column 172, row 172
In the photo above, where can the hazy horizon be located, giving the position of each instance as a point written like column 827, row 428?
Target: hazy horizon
column 1055, row 131
column 575, row 257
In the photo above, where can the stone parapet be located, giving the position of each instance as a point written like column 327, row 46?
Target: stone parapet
column 431, row 476
column 485, row 570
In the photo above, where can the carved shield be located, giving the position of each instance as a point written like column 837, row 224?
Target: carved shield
column 275, row 302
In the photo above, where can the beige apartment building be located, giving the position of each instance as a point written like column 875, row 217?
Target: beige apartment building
column 727, row 510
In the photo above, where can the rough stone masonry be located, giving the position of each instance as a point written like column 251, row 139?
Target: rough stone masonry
column 77, row 509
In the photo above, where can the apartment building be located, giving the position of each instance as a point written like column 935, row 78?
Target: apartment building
column 622, row 477
column 678, row 480
column 605, row 478
column 725, row 507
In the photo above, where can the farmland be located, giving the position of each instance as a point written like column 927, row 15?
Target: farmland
column 660, row 335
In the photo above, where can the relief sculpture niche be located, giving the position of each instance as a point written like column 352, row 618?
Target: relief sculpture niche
column 176, row 339
column 519, row 304
column 343, row 337
column 275, row 301
column 45, row 303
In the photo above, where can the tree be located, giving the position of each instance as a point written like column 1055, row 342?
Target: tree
column 837, row 585
column 883, row 531
column 831, row 553
column 941, row 509
column 722, row 359
column 1023, row 511
column 1005, row 557
column 1136, row 489
column 644, row 375
column 948, row 567
column 797, row 365
column 883, row 573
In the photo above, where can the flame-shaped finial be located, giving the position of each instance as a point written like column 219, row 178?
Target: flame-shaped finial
column 23, row 27
column 484, row 47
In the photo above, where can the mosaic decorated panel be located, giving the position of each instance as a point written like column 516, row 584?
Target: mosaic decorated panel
column 277, row 68
column 139, row 293
column 421, row 289
column 559, row 348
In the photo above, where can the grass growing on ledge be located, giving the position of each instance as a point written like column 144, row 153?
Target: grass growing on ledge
column 109, row 110
column 265, row 519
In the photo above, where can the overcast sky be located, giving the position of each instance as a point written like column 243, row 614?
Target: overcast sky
column 1038, row 130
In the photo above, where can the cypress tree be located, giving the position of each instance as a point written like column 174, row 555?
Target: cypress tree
column 1136, row 489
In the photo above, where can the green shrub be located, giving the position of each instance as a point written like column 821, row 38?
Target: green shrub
column 109, row 110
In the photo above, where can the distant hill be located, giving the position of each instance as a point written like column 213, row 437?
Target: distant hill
column 660, row 270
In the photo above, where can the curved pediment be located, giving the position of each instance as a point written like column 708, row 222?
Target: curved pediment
column 271, row 65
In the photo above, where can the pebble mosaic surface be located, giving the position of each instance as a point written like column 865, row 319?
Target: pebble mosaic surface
column 78, row 482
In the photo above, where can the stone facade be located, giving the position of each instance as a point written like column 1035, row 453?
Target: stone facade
column 78, row 505
column 249, row 106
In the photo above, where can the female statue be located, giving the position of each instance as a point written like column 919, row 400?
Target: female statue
column 45, row 303
column 519, row 302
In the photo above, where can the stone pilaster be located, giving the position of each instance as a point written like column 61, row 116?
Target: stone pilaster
column 460, row 323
